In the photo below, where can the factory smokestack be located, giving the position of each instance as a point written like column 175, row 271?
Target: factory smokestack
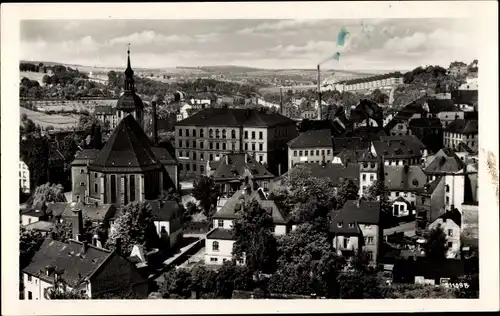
column 281, row 100
column 154, row 123
column 319, row 94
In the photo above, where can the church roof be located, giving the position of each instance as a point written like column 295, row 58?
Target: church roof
column 129, row 101
column 127, row 150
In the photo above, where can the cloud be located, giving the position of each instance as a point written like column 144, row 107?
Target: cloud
column 149, row 37
column 280, row 26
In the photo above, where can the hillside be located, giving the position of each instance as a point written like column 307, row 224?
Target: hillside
column 32, row 76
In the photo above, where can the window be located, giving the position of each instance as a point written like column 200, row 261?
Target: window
column 194, row 144
column 261, row 135
column 372, row 177
column 215, row 246
column 339, row 224
column 253, row 146
column 450, row 232
column 246, row 134
column 369, row 241
column 300, row 153
column 113, row 188
column 82, row 184
column 368, row 226
column 95, row 187
column 187, row 132
column 224, row 133
column 188, row 167
column 202, row 134
column 202, row 168
column 261, row 158
column 233, row 134
column 210, row 157
column 30, row 295
column 217, row 133
column 194, row 155
column 201, row 145
column 447, row 188
column 213, row 259
column 364, row 176
column 211, row 145
column 447, row 200
column 253, row 135
column 346, row 242
column 29, row 278
column 370, row 255
column 306, row 152
column 246, row 146
column 217, row 146
column 180, row 132
column 312, row 152
column 210, row 133
column 240, row 261
column 132, row 188
column 194, row 167
column 351, row 225
column 295, row 153
column 450, row 244
column 82, row 171
column 95, row 174
column 261, row 146
column 322, row 152
column 220, row 223
column 328, row 152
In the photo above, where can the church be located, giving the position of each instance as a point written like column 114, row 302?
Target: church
column 130, row 167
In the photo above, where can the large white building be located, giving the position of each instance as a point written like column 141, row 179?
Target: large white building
column 385, row 81
column 24, row 177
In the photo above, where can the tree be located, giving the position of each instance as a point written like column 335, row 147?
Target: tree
column 69, row 150
column 60, row 291
column 134, row 226
column 379, row 97
column 177, row 284
column 254, row 239
column 231, row 277
column 46, row 80
column 436, row 245
column 416, row 291
column 203, row 280
column 29, row 243
column 358, row 285
column 96, row 137
column 206, row 191
column 379, row 191
column 348, row 190
column 46, row 193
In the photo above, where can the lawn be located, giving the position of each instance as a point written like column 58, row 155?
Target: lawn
column 56, row 120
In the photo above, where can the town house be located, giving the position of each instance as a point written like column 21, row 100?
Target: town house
column 462, row 131
column 313, row 146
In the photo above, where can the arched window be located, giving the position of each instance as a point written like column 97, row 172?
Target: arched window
column 233, row 134
column 201, row 133
column 215, row 246
column 210, row 133
column 447, row 188
column 224, row 133
column 217, row 133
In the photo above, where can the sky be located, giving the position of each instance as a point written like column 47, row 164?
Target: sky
column 390, row 44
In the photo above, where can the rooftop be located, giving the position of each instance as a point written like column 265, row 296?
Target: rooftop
column 404, row 178
column 127, row 150
column 235, row 118
column 312, row 139
column 444, row 162
column 220, row 233
column 463, row 127
column 364, row 212
column 236, row 165
column 441, row 105
column 397, row 148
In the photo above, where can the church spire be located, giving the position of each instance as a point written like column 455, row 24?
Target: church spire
column 129, row 74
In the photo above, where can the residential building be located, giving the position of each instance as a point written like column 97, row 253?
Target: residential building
column 183, row 112
column 430, row 204
column 202, row 100
column 213, row 132
column 168, row 220
column 465, row 100
column 399, row 150
column 458, row 69
column 83, row 267
column 106, row 114
column 462, row 131
column 402, row 208
column 350, row 143
column 450, row 222
column 37, row 212
column 309, row 114
column 235, row 171
column 220, row 240
column 434, row 106
column 393, row 79
column 442, row 163
column 404, row 181
column 357, row 227
column 369, row 171
column 429, row 131
column 24, row 176
column 399, row 125
column 348, row 156
column 313, row 146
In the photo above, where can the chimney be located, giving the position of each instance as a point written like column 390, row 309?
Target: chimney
column 319, row 94
column 281, row 100
column 154, row 121
column 358, row 202
column 78, row 225
column 85, row 246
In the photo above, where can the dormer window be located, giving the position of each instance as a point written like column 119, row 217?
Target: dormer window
column 351, row 225
column 340, row 224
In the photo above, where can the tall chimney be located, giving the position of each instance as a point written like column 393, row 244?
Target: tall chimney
column 319, row 94
column 154, row 120
column 78, row 225
column 281, row 100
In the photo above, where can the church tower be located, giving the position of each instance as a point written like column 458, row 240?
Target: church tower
column 129, row 102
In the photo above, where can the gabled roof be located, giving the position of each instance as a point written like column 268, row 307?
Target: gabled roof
column 349, row 143
column 352, row 156
column 235, row 165
column 426, row 122
column 407, row 138
column 127, row 150
column 453, row 215
column 441, row 105
column 235, row 118
column 56, row 209
column 84, row 156
column 430, row 187
column 43, row 226
column 464, row 96
column 220, row 233
column 93, row 212
column 165, row 211
column 397, row 148
column 366, row 212
column 163, row 155
column 312, row 138
column 334, row 172
column 69, row 257
column 445, row 162
column 235, row 203
column 404, row 178
column 463, row 127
